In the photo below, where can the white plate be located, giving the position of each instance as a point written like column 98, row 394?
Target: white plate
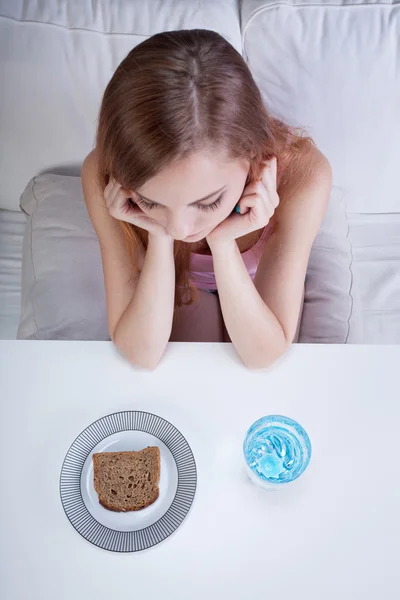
column 136, row 530
column 131, row 521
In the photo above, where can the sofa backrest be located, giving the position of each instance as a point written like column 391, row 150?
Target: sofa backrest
column 334, row 68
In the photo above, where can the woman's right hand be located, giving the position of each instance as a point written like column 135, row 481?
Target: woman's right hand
column 122, row 206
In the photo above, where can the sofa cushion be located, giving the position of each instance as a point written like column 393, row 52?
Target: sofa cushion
column 332, row 311
column 12, row 227
column 63, row 294
column 376, row 250
column 334, row 68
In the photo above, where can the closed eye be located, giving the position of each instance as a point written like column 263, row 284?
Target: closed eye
column 144, row 204
column 149, row 205
column 212, row 206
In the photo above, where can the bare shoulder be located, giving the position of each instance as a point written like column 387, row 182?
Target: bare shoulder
column 91, row 159
column 304, row 199
column 107, row 228
column 314, row 170
column 314, row 191
column 321, row 170
column 89, row 177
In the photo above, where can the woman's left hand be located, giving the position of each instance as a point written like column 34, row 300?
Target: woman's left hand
column 257, row 205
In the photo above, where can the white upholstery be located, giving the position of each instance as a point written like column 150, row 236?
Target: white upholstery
column 335, row 69
column 376, row 250
column 12, row 227
column 63, row 295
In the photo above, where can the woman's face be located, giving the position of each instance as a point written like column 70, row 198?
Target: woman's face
column 191, row 197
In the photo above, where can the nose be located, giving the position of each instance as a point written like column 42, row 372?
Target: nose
column 180, row 224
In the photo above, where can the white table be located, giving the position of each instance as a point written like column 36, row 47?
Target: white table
column 334, row 534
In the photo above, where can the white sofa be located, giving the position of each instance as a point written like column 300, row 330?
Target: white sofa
column 332, row 67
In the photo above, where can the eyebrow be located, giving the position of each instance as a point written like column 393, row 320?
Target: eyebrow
column 191, row 204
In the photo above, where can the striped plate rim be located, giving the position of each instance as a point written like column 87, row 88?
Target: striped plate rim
column 70, row 482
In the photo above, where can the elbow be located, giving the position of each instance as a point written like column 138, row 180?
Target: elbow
column 141, row 358
column 149, row 363
column 266, row 356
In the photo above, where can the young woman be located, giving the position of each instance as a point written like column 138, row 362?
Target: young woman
column 205, row 206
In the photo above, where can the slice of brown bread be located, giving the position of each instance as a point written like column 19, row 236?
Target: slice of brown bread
column 127, row 481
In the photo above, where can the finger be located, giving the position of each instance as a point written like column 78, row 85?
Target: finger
column 269, row 173
column 267, row 190
column 246, row 203
column 256, row 187
column 120, row 205
column 271, row 193
column 114, row 202
column 110, row 185
column 256, row 190
column 111, row 193
column 107, row 190
column 261, row 206
column 274, row 168
column 119, row 197
column 270, row 209
column 256, row 210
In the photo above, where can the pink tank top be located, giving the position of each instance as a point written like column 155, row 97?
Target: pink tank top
column 202, row 268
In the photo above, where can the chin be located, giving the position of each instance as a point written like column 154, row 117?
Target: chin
column 196, row 237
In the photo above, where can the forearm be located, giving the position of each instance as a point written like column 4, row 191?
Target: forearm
column 254, row 330
column 144, row 329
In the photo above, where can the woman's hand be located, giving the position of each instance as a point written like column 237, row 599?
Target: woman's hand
column 122, row 206
column 257, row 205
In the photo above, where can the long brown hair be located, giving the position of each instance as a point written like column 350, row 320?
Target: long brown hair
column 176, row 93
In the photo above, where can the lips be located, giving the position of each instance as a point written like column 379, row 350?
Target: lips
column 193, row 235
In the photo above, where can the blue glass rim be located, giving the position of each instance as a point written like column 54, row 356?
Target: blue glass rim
column 284, row 421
